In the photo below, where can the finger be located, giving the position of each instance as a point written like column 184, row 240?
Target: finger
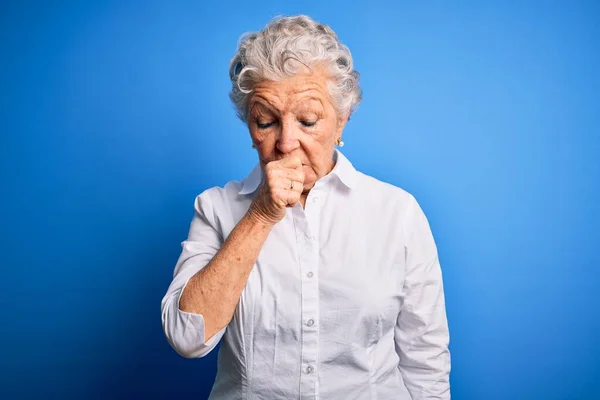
column 293, row 196
column 291, row 162
column 296, row 175
column 273, row 174
column 284, row 198
column 285, row 193
column 297, row 186
column 278, row 182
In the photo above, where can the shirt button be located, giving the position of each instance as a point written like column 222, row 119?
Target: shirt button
column 309, row 369
column 309, row 275
column 310, row 322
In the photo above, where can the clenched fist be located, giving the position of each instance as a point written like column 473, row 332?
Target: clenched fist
column 282, row 187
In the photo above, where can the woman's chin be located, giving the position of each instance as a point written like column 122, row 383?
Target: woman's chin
column 307, row 186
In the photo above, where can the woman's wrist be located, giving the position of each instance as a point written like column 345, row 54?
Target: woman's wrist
column 257, row 218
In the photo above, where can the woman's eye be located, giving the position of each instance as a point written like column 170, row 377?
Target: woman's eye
column 308, row 124
column 264, row 125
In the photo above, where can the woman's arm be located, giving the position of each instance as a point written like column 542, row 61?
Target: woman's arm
column 216, row 289
column 422, row 336
column 211, row 274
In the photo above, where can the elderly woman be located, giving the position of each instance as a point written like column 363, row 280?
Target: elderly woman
column 318, row 280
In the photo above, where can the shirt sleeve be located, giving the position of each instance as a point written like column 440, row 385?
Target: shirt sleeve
column 421, row 332
column 185, row 331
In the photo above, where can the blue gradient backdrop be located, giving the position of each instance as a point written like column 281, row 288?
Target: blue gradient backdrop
column 114, row 116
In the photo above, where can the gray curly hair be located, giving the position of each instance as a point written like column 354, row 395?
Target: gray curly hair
column 286, row 46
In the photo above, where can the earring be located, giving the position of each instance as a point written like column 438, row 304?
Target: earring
column 340, row 143
column 253, row 145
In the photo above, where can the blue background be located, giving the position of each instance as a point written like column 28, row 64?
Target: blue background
column 115, row 115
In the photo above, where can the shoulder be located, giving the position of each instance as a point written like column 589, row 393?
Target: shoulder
column 398, row 208
column 376, row 190
column 230, row 191
column 391, row 203
column 217, row 200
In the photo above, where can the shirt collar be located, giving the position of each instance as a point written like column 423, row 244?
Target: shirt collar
column 343, row 170
column 251, row 182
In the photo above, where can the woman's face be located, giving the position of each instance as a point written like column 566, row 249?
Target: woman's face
column 295, row 117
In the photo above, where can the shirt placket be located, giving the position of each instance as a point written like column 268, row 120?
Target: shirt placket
column 308, row 251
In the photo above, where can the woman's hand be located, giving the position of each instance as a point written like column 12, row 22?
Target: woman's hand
column 281, row 188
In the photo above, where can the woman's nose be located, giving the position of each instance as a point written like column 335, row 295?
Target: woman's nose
column 288, row 137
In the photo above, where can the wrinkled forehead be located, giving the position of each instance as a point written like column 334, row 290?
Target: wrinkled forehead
column 299, row 93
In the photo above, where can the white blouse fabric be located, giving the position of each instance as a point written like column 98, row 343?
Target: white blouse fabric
column 345, row 301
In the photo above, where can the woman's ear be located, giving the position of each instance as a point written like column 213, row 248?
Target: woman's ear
column 342, row 120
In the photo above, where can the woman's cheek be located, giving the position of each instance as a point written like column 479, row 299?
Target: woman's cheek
column 309, row 175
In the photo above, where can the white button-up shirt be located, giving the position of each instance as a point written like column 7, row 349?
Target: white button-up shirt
column 345, row 300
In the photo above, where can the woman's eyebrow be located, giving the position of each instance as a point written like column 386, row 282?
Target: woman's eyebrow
column 260, row 112
column 261, row 104
column 309, row 107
